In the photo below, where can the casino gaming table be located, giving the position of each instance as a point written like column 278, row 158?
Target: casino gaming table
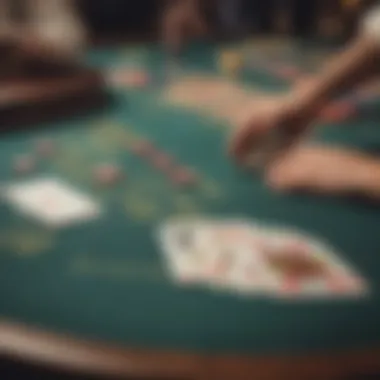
column 95, row 297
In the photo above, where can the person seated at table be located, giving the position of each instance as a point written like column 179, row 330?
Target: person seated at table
column 320, row 169
column 184, row 20
column 50, row 26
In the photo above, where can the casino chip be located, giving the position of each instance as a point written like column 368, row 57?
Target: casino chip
column 288, row 72
column 143, row 148
column 230, row 62
column 45, row 147
column 162, row 161
column 183, row 177
column 107, row 174
column 24, row 164
column 126, row 77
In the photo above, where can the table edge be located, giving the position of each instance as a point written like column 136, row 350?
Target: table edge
column 37, row 346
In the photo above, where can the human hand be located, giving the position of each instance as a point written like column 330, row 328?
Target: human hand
column 323, row 170
column 278, row 116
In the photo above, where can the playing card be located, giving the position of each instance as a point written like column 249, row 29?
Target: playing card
column 183, row 249
column 201, row 251
column 248, row 258
column 300, row 266
column 51, row 201
column 234, row 261
column 225, row 256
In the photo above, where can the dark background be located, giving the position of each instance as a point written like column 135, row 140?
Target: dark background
column 110, row 17
column 141, row 17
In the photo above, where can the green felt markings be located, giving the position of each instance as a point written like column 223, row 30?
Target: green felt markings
column 140, row 208
column 84, row 265
column 27, row 242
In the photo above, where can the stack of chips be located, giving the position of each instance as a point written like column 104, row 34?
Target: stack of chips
column 230, row 62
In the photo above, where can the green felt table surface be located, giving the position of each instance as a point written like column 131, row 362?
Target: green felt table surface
column 105, row 279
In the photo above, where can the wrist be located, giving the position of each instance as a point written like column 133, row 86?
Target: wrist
column 307, row 99
column 301, row 108
column 368, row 178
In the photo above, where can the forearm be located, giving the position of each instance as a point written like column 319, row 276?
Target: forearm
column 368, row 179
column 359, row 62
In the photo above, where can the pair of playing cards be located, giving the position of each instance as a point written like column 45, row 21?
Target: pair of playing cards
column 249, row 259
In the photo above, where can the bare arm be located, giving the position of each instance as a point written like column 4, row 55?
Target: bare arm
column 358, row 63
column 368, row 182
column 289, row 116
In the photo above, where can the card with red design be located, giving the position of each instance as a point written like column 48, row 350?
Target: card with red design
column 303, row 267
column 212, row 254
column 250, row 259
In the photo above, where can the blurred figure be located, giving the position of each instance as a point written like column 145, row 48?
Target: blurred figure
column 184, row 20
column 49, row 26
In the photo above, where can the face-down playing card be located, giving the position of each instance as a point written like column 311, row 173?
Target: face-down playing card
column 52, row 202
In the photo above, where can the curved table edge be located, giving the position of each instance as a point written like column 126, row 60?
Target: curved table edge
column 56, row 351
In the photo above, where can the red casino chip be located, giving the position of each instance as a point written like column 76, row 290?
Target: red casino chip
column 183, row 177
column 143, row 148
column 162, row 161
column 24, row 164
column 107, row 174
column 288, row 72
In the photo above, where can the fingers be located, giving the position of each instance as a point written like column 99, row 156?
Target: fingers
column 242, row 143
column 292, row 171
column 283, row 176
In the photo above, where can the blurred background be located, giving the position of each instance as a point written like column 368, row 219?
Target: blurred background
column 112, row 20
column 334, row 19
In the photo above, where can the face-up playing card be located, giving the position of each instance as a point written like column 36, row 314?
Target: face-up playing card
column 251, row 259
column 52, row 202
column 182, row 247
column 214, row 253
column 234, row 261
column 302, row 267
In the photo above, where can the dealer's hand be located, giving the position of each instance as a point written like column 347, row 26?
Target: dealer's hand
column 264, row 116
column 326, row 170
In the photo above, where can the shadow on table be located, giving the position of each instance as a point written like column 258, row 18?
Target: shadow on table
column 11, row 369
